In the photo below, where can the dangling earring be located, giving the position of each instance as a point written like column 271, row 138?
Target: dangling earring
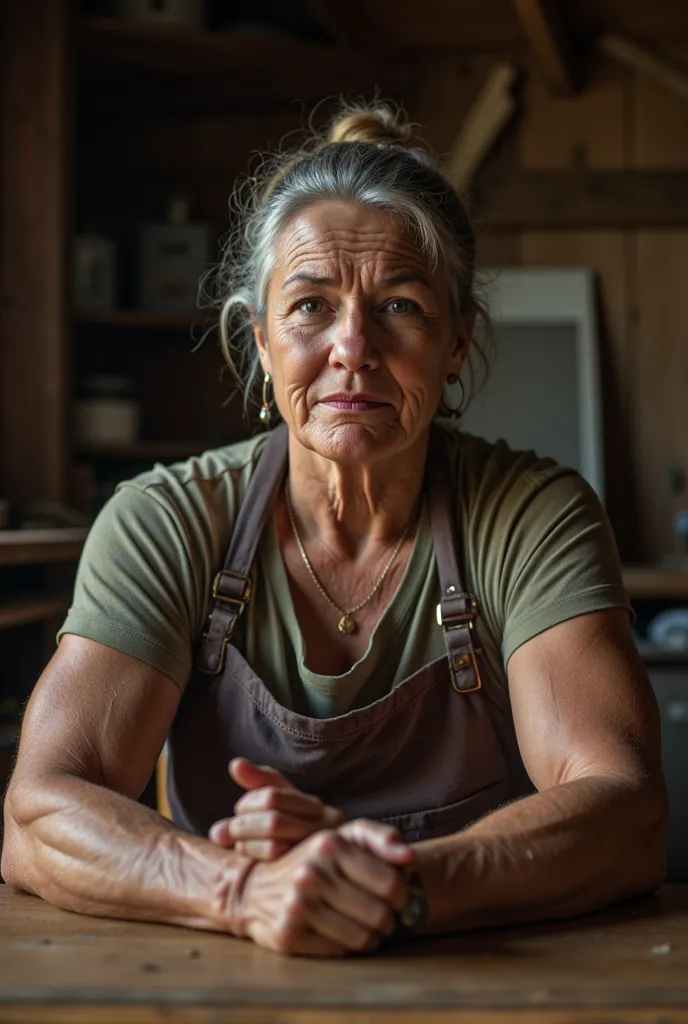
column 455, row 414
column 265, row 414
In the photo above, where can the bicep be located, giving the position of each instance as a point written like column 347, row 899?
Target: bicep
column 97, row 713
column 583, row 704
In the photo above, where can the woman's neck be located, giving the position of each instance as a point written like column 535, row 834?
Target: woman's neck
column 352, row 506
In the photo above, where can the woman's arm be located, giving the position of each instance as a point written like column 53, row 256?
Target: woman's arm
column 74, row 834
column 588, row 730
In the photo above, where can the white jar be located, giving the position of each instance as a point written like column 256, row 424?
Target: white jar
column 107, row 413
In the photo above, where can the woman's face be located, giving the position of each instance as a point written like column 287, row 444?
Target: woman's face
column 359, row 335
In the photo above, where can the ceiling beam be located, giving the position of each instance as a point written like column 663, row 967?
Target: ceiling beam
column 646, row 62
column 543, row 25
column 490, row 113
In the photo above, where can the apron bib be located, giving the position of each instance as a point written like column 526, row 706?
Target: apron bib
column 430, row 757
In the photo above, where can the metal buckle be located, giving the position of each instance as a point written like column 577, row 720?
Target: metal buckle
column 455, row 621
column 463, row 661
column 240, row 601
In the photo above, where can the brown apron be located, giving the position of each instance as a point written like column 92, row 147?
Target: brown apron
column 430, row 757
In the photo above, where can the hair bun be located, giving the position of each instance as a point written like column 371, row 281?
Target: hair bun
column 377, row 123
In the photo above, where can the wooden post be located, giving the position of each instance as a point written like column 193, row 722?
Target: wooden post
column 543, row 24
column 35, row 133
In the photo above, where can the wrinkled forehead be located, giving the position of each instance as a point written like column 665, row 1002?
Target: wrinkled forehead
column 356, row 237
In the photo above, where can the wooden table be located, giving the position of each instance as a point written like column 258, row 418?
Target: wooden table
column 627, row 964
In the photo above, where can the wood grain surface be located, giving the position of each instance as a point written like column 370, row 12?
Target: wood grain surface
column 629, row 963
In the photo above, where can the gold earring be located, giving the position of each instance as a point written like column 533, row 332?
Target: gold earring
column 455, row 414
column 265, row 414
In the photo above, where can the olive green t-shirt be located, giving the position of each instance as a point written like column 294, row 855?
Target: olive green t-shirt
column 535, row 547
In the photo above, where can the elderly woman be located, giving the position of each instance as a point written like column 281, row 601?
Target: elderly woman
column 394, row 661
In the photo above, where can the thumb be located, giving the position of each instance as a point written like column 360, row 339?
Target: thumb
column 254, row 776
column 383, row 840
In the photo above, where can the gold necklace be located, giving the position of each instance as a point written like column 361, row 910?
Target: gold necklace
column 346, row 624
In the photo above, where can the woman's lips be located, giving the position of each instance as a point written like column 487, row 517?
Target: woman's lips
column 353, row 403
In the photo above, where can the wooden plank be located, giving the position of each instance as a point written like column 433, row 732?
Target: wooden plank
column 591, row 134
column 601, row 965
column 661, row 401
column 34, row 177
column 18, row 611
column 660, row 410
column 583, row 199
column 242, row 66
column 463, row 28
column 447, row 90
column 498, row 248
column 492, row 110
column 673, row 78
column 492, row 26
column 99, row 1013
column 586, row 130
column 543, row 24
column 40, row 547
column 605, row 252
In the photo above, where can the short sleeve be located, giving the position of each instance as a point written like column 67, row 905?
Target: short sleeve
column 561, row 559
column 134, row 585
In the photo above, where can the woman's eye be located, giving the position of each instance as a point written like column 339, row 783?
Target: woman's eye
column 401, row 306
column 310, row 306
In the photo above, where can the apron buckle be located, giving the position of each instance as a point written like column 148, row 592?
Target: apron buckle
column 227, row 590
column 462, row 662
column 461, row 614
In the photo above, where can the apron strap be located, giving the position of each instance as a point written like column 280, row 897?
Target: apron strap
column 456, row 612
column 458, row 609
column 232, row 585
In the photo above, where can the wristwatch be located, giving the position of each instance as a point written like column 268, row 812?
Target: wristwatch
column 415, row 909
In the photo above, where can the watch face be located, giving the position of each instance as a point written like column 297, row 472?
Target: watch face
column 415, row 908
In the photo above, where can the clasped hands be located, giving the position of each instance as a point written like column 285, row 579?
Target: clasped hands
column 320, row 886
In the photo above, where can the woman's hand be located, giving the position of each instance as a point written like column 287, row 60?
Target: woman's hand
column 273, row 816
column 334, row 893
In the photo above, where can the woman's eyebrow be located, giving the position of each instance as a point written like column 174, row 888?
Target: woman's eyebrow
column 302, row 276
column 406, row 276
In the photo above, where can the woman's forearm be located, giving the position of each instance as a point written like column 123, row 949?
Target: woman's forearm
column 88, row 849
column 558, row 853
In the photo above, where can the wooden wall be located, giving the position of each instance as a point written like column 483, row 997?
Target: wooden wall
column 621, row 121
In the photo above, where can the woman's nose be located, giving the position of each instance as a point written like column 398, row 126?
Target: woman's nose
column 352, row 347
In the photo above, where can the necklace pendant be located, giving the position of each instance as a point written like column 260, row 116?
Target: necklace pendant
column 346, row 624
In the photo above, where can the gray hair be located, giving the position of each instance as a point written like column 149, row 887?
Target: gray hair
column 367, row 158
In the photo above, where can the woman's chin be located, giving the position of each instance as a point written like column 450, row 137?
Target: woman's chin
column 354, row 441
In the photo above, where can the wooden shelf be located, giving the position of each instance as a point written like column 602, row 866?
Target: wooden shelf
column 32, row 608
column 646, row 581
column 143, row 450
column 138, row 318
column 35, row 547
column 252, row 65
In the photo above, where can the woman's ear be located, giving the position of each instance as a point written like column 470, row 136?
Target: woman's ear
column 262, row 346
column 463, row 336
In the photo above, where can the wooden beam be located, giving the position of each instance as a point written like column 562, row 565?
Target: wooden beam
column 543, row 25
column 647, row 63
column 35, row 143
column 513, row 199
column 487, row 117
